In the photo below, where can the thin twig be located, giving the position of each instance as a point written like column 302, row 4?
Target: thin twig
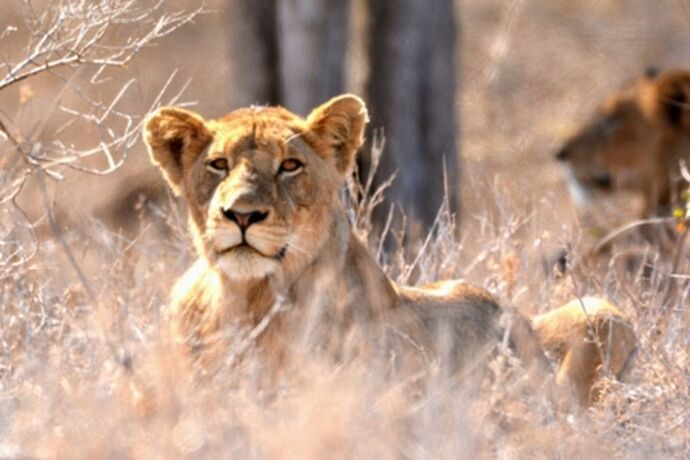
column 630, row 226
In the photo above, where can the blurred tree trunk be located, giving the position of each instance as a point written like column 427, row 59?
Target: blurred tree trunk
column 312, row 43
column 292, row 53
column 288, row 52
column 254, row 53
column 411, row 92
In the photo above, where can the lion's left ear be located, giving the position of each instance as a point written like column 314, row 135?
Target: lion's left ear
column 338, row 126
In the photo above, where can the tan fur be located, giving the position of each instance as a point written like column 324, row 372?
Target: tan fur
column 587, row 338
column 300, row 252
column 304, row 249
column 634, row 142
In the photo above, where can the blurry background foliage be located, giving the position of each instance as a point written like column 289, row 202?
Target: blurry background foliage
column 497, row 84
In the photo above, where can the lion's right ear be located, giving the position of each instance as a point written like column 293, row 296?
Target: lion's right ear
column 672, row 99
column 175, row 137
column 339, row 128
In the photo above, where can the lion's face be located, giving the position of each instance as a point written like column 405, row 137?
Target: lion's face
column 261, row 184
column 630, row 140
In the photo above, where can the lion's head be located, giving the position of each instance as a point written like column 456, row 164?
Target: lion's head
column 633, row 141
column 261, row 183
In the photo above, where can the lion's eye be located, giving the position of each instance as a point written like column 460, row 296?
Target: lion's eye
column 218, row 166
column 291, row 165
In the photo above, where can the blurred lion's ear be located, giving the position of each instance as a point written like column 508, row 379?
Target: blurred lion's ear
column 338, row 128
column 672, row 99
column 175, row 137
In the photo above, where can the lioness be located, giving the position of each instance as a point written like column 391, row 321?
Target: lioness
column 634, row 142
column 262, row 187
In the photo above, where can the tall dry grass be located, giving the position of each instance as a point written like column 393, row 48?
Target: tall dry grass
column 85, row 378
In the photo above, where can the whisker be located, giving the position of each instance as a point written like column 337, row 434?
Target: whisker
column 269, row 234
column 292, row 246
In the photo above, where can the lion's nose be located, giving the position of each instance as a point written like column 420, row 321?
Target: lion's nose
column 245, row 219
column 562, row 154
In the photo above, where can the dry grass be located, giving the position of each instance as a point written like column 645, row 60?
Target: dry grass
column 84, row 378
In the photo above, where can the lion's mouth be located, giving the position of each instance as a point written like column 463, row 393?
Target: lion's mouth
column 246, row 248
column 242, row 247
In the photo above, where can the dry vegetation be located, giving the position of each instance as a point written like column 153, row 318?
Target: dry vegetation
column 86, row 370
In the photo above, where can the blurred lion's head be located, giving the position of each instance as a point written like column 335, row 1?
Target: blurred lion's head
column 633, row 141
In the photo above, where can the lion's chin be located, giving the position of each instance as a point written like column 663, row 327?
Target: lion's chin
column 581, row 195
column 244, row 263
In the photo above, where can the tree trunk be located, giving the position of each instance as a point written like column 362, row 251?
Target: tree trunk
column 313, row 38
column 254, row 52
column 292, row 53
column 411, row 92
column 288, row 52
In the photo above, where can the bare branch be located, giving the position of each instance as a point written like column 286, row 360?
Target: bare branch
column 82, row 44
